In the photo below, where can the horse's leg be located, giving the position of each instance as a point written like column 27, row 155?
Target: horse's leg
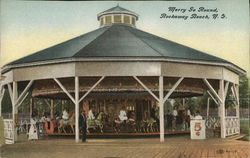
column 72, row 127
column 59, row 127
column 64, row 129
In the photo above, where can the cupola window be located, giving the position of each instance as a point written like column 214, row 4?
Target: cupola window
column 133, row 21
column 126, row 19
column 102, row 21
column 108, row 19
column 117, row 19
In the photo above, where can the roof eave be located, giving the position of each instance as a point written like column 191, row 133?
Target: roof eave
column 117, row 12
column 229, row 66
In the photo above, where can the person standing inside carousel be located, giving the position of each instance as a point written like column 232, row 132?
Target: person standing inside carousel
column 83, row 125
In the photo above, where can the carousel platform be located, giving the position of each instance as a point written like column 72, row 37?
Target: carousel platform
column 122, row 134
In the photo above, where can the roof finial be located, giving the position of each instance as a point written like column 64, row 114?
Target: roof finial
column 117, row 4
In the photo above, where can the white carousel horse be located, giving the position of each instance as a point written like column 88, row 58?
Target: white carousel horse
column 130, row 122
column 96, row 123
column 62, row 124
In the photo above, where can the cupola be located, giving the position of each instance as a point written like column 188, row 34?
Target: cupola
column 117, row 15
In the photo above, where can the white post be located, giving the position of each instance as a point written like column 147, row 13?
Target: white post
column 2, row 91
column 222, row 109
column 238, row 101
column 161, row 103
column 238, row 106
column 208, row 104
column 77, row 109
column 14, row 110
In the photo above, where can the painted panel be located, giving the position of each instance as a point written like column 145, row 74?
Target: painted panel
column 191, row 70
column 44, row 72
column 230, row 76
column 118, row 69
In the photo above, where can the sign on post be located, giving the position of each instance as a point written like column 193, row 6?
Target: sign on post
column 198, row 129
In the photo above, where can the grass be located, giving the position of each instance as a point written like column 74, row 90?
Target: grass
column 245, row 129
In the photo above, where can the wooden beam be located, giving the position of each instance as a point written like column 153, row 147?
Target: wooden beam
column 145, row 87
column 21, row 101
column 212, row 90
column 233, row 92
column 23, row 93
column 10, row 92
column 173, row 88
column 226, row 89
column 213, row 97
column 1, row 98
column 47, row 102
column 64, row 89
column 91, row 88
column 236, row 94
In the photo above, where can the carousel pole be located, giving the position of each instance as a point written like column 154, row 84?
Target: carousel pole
column 161, row 103
column 77, row 109
column 52, row 109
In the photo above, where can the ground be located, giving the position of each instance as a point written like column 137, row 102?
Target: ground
column 173, row 147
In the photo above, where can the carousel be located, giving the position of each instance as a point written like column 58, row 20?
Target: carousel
column 122, row 77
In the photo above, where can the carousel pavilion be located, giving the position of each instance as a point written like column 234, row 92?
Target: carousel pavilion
column 119, row 61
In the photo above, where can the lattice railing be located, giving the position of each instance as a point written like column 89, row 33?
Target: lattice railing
column 212, row 122
column 232, row 125
column 8, row 131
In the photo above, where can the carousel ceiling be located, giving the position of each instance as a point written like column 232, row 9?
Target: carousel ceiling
column 119, row 87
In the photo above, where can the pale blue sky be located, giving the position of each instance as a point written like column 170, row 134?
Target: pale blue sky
column 29, row 26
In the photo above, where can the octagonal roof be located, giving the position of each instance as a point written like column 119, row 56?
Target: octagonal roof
column 118, row 41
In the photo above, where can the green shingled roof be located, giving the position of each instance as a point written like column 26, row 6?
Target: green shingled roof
column 118, row 41
column 117, row 9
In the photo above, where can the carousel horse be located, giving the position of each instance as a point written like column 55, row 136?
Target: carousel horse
column 96, row 123
column 151, row 125
column 62, row 124
column 50, row 126
column 129, row 123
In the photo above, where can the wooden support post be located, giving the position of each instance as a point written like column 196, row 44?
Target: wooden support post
column 208, row 104
column 14, row 110
column 161, row 103
column 222, row 109
column 77, row 109
column 238, row 105
column 2, row 91
column 31, row 106
column 238, row 101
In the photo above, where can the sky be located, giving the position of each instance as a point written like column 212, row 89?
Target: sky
column 30, row 26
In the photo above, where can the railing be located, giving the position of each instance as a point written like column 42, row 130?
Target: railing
column 8, row 131
column 212, row 122
column 232, row 125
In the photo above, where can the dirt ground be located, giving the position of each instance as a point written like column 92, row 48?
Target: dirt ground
column 173, row 147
